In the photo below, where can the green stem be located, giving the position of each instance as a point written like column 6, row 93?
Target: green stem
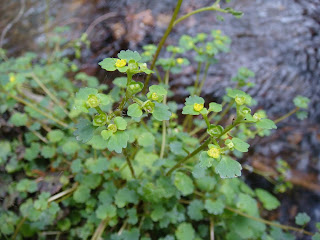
column 97, row 234
column 196, row 83
column 204, row 77
column 162, row 41
column 137, row 100
column 164, row 126
column 38, row 110
column 18, row 227
column 285, row 227
column 196, row 130
column 216, row 123
column 49, row 93
column 129, row 163
column 205, row 117
column 205, row 144
column 214, row 7
column 280, row 119
column 286, row 115
column 63, row 193
column 226, row 110
column 125, row 99
column 158, row 74
column 211, row 228
column 99, row 110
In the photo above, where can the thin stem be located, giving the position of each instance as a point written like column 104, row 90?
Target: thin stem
column 280, row 119
column 205, row 117
column 162, row 41
column 63, row 193
column 125, row 99
column 63, row 124
column 123, row 227
column 99, row 110
column 204, row 77
column 164, row 126
column 42, row 138
column 158, row 74
column 285, row 227
column 129, row 163
column 211, row 228
column 286, row 115
column 196, row 83
column 18, row 227
column 226, row 110
column 214, row 7
column 221, row 116
column 205, row 144
column 49, row 93
column 97, row 234
column 196, row 130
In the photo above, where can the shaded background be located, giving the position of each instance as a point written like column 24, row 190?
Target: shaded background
column 277, row 39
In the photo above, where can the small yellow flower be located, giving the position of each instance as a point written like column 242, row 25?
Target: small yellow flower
column 197, row 107
column 154, row 96
column 12, row 78
column 214, row 152
column 218, row 31
column 121, row 63
column 180, row 60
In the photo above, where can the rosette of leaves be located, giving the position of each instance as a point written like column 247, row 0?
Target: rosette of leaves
column 127, row 61
column 115, row 135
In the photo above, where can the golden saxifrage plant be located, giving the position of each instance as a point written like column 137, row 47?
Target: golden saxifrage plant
column 125, row 162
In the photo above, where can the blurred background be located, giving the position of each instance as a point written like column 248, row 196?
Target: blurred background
column 279, row 40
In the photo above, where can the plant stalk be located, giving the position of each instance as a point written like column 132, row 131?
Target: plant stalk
column 49, row 93
column 214, row 7
column 285, row 227
column 195, row 152
column 164, row 126
column 129, row 163
column 63, row 124
column 162, row 41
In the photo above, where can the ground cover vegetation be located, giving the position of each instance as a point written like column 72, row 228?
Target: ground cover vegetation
column 84, row 160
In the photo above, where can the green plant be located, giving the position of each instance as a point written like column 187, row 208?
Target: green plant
column 118, row 163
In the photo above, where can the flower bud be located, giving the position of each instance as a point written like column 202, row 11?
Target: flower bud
column 240, row 100
column 112, row 127
column 215, row 130
column 229, row 144
column 93, row 101
column 100, row 120
column 148, row 106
